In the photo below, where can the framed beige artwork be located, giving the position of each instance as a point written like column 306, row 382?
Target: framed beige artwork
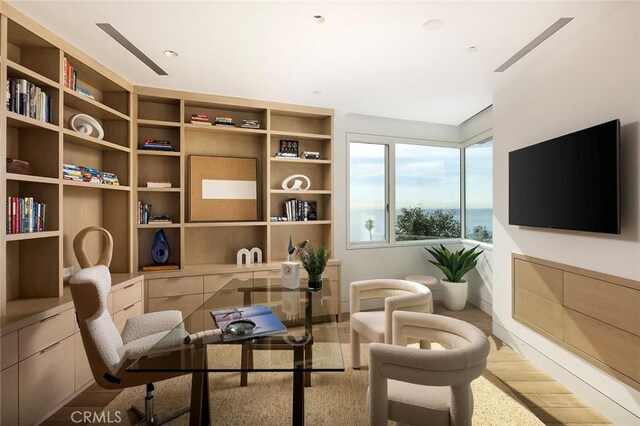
column 222, row 189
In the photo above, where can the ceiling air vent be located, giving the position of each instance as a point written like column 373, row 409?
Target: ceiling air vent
column 115, row 34
column 534, row 43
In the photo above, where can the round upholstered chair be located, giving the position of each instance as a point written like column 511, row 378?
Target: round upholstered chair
column 415, row 386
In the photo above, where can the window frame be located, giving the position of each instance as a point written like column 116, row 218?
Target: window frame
column 390, row 189
column 478, row 139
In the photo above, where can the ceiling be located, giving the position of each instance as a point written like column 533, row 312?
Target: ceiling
column 367, row 57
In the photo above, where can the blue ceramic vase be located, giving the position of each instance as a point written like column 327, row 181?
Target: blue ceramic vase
column 160, row 248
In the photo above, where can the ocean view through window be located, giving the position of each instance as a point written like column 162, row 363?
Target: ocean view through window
column 479, row 192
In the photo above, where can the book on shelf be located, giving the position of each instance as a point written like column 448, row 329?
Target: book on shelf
column 278, row 219
column 85, row 92
column 200, row 119
column 224, row 121
column 311, row 155
column 88, row 174
column 25, row 98
column 266, row 322
column 25, row 215
column 159, row 218
column 300, row 210
column 250, row 124
column 158, row 184
column 157, row 144
column 69, row 75
column 287, row 155
column 142, row 213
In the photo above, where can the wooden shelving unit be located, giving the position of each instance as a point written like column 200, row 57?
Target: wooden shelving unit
column 166, row 115
column 34, row 261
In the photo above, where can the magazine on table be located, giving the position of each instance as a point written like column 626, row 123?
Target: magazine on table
column 266, row 322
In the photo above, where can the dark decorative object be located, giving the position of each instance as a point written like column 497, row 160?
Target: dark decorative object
column 18, row 166
column 160, row 248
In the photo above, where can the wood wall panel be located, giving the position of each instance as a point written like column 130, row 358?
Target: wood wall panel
column 610, row 303
column 614, row 347
column 538, row 279
column 539, row 311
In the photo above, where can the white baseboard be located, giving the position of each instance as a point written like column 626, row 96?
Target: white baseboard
column 600, row 402
column 483, row 305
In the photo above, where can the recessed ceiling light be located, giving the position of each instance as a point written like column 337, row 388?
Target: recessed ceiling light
column 433, row 24
column 170, row 53
column 317, row 92
column 317, row 19
column 472, row 49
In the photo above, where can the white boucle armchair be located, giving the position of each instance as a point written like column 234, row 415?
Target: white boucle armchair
column 110, row 353
column 376, row 325
column 416, row 386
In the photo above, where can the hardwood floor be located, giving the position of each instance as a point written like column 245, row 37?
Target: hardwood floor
column 551, row 402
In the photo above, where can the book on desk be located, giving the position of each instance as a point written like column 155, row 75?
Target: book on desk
column 266, row 322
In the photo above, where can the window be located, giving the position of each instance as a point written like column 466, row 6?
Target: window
column 368, row 192
column 427, row 189
column 479, row 192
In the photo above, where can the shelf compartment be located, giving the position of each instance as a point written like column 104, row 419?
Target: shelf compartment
column 157, row 168
column 300, row 135
column 91, row 142
column 322, row 146
column 171, row 134
column 35, row 270
column 317, row 236
column 95, row 155
column 43, row 190
column 32, row 52
column 116, row 132
column 323, row 207
column 96, row 185
column 15, row 70
column 161, row 203
column 110, row 97
column 318, row 174
column 90, row 106
column 22, row 121
column 221, row 244
column 291, row 123
column 82, row 207
column 160, row 111
column 237, row 113
column 37, row 146
column 145, row 242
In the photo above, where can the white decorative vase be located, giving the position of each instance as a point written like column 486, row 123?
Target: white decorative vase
column 454, row 295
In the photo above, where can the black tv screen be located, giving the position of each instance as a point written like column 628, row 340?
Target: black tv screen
column 570, row 182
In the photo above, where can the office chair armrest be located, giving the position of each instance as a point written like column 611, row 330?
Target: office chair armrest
column 148, row 324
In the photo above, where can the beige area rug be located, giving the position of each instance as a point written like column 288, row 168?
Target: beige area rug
column 334, row 399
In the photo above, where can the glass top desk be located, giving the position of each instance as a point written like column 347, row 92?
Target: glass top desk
column 310, row 344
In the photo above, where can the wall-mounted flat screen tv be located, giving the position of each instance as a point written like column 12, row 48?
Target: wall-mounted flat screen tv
column 570, row 182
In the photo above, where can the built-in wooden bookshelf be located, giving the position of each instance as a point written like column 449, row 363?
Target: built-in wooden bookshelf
column 164, row 114
column 34, row 261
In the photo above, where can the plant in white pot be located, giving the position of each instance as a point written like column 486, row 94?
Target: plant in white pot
column 454, row 265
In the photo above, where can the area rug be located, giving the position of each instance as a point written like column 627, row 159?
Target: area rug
column 333, row 399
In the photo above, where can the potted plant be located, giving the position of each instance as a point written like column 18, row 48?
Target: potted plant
column 314, row 263
column 454, row 265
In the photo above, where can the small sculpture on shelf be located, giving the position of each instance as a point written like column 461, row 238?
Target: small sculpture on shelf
column 85, row 124
column 246, row 256
column 290, row 268
column 296, row 185
column 160, row 249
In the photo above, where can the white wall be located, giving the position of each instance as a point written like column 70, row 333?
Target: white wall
column 593, row 78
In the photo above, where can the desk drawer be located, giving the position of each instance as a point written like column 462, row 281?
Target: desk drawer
column 127, row 296
column 213, row 283
column 330, row 273
column 45, row 333
column 46, row 379
column 9, row 348
column 164, row 287
column 185, row 304
column 120, row 318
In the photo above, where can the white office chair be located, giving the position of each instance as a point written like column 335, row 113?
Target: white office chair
column 376, row 326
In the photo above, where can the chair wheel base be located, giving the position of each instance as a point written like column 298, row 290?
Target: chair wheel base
column 161, row 418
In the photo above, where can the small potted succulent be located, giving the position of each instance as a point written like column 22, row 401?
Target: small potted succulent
column 454, row 265
column 314, row 263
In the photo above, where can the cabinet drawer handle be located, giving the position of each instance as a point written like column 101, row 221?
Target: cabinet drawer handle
column 129, row 286
column 50, row 318
column 130, row 306
column 48, row 348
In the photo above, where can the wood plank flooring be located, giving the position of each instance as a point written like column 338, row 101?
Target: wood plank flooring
column 551, row 402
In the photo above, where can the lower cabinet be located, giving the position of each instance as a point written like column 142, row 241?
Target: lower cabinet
column 9, row 396
column 46, row 379
column 83, row 370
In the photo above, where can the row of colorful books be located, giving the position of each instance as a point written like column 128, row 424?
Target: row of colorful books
column 300, row 210
column 88, row 174
column 24, row 215
column 25, row 98
column 69, row 75
column 223, row 121
column 144, row 216
column 158, row 145
column 200, row 119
